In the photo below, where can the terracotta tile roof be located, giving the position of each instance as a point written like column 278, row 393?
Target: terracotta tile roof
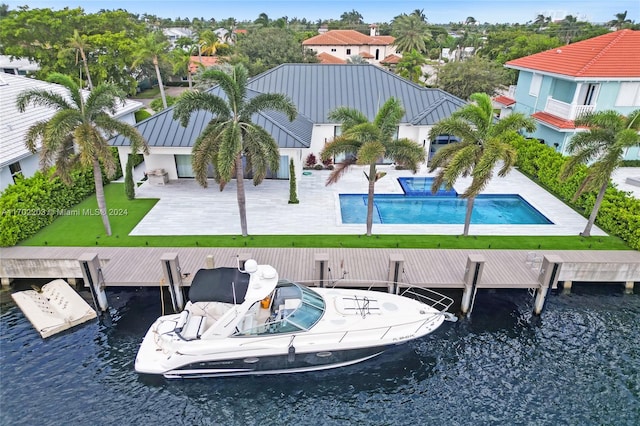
column 554, row 121
column 207, row 61
column 326, row 58
column 391, row 59
column 504, row 100
column 347, row 38
column 366, row 55
column 616, row 54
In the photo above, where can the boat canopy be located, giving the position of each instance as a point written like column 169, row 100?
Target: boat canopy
column 227, row 285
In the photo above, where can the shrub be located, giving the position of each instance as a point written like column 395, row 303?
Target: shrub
column 142, row 114
column 619, row 213
column 293, row 196
column 318, row 167
column 311, row 160
column 327, row 163
column 33, row 203
column 157, row 106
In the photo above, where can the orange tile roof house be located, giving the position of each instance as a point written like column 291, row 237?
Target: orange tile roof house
column 343, row 44
column 557, row 85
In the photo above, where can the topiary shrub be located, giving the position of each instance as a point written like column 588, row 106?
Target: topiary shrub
column 293, row 196
column 129, row 187
column 311, row 161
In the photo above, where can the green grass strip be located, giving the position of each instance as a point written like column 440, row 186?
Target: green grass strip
column 82, row 227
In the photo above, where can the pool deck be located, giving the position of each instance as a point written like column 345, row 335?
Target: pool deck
column 185, row 208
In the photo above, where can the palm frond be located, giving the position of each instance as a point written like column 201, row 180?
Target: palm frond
column 388, row 117
column 38, row 97
column 262, row 152
column 194, row 101
column 70, row 84
column 348, row 117
column 205, row 152
column 370, row 153
column 340, row 145
column 269, row 101
column 34, row 134
column 61, row 124
column 339, row 170
column 406, row 153
column 228, row 151
column 104, row 97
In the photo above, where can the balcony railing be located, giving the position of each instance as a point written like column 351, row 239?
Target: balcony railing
column 565, row 110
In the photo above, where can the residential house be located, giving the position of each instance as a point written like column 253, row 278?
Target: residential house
column 17, row 66
column 15, row 158
column 174, row 33
column 556, row 86
column 334, row 45
column 316, row 90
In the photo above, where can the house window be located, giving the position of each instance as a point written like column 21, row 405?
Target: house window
column 377, row 54
column 628, row 95
column 536, row 82
column 348, row 51
column 15, row 170
column 333, row 49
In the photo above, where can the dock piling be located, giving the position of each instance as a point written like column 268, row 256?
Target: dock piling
column 472, row 274
column 628, row 287
column 173, row 277
column 548, row 278
column 396, row 267
column 321, row 268
column 92, row 275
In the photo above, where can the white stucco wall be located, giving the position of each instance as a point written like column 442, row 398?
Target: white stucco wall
column 29, row 166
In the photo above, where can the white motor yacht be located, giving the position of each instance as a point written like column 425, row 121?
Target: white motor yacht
column 241, row 322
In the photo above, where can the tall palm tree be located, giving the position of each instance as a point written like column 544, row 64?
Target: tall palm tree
column 153, row 47
column 483, row 144
column 411, row 33
column 231, row 135
column 602, row 147
column 83, row 123
column 79, row 43
column 365, row 143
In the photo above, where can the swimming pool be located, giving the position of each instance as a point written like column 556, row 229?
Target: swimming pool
column 421, row 185
column 509, row 209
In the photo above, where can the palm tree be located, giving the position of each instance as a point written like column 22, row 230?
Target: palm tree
column 356, row 60
column 602, row 148
column 620, row 21
column 85, row 123
column 230, row 135
column 263, row 20
column 411, row 33
column 365, row 143
column 420, row 14
column 79, row 43
column 410, row 66
column 181, row 62
column 153, row 47
column 483, row 143
column 209, row 43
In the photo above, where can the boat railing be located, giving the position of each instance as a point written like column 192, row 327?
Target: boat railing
column 422, row 294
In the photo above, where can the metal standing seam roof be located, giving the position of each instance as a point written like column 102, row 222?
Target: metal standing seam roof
column 315, row 89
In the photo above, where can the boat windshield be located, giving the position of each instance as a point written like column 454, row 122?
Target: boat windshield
column 293, row 308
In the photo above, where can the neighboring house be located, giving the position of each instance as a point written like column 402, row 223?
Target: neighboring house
column 316, row 90
column 343, row 44
column 15, row 158
column 17, row 66
column 202, row 62
column 174, row 33
column 556, row 86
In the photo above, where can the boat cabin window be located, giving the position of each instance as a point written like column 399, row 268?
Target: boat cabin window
column 293, row 308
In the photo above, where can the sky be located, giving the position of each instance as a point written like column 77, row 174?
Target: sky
column 437, row 12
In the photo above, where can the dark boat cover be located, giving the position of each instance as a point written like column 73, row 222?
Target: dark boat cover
column 218, row 285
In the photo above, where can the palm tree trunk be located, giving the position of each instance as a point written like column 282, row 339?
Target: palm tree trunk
column 467, row 218
column 86, row 69
column 372, row 183
column 594, row 211
column 242, row 200
column 160, row 85
column 102, row 203
column 189, row 79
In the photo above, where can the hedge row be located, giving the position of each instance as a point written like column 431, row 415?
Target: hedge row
column 33, row 203
column 619, row 213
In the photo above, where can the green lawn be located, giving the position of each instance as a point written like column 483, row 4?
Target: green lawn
column 149, row 93
column 82, row 228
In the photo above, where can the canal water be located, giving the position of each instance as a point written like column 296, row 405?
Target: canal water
column 579, row 364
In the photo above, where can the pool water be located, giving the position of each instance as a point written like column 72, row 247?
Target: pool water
column 422, row 210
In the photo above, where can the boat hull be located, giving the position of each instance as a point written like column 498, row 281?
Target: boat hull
column 275, row 364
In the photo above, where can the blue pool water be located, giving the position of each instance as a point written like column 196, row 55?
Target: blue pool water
column 401, row 209
column 422, row 186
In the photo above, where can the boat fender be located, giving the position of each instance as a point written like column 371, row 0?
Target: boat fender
column 265, row 302
column 292, row 354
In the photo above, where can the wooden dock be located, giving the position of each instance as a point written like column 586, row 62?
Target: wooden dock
column 433, row 268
